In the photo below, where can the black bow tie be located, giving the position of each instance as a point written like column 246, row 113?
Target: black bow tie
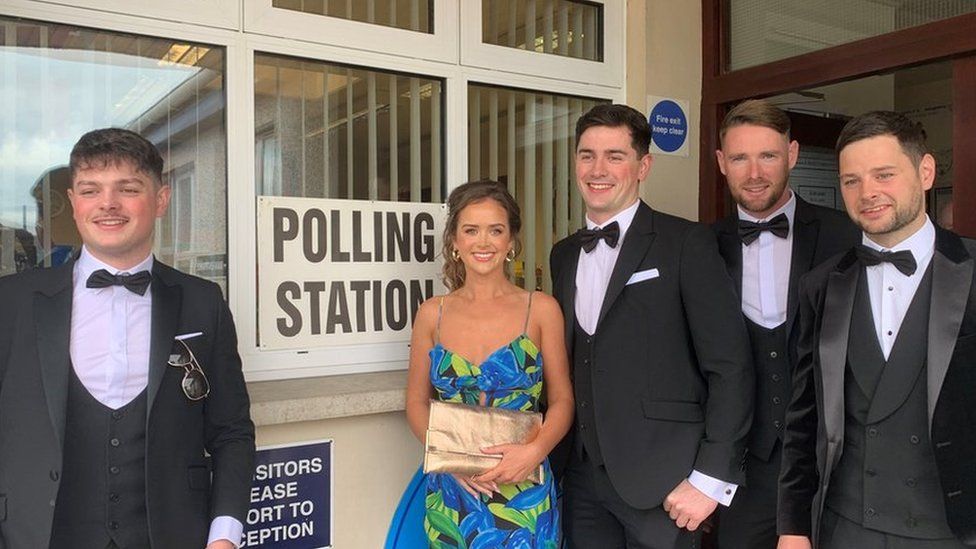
column 904, row 261
column 749, row 231
column 589, row 237
column 136, row 283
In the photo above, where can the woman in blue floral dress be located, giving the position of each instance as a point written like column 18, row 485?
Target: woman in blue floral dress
column 483, row 344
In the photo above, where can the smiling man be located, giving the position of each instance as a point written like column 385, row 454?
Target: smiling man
column 124, row 418
column 661, row 367
column 880, row 435
column 773, row 238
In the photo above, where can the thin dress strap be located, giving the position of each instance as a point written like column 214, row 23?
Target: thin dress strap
column 528, row 310
column 440, row 312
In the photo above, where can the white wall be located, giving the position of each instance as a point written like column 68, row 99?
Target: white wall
column 664, row 58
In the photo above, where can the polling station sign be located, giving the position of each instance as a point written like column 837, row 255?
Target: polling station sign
column 291, row 497
column 338, row 272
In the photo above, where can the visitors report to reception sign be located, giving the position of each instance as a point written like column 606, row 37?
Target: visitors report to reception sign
column 340, row 272
column 291, row 497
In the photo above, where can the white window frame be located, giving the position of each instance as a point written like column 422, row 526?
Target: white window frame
column 609, row 72
column 215, row 13
column 240, row 48
column 261, row 18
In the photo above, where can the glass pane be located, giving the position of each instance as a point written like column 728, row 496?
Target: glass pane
column 413, row 15
column 333, row 131
column 761, row 31
column 60, row 81
column 527, row 141
column 923, row 94
column 570, row 28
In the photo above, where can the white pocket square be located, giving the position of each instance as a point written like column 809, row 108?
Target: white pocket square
column 641, row 276
column 182, row 337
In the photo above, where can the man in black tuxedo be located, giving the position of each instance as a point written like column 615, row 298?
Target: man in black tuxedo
column 772, row 239
column 124, row 417
column 880, row 441
column 661, row 367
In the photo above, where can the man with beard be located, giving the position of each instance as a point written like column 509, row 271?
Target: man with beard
column 880, row 434
column 773, row 238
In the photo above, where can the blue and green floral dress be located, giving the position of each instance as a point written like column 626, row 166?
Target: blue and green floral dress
column 522, row 515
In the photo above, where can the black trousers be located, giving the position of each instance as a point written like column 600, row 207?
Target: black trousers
column 595, row 516
column 837, row 532
column 750, row 521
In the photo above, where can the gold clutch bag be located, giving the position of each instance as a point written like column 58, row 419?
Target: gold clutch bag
column 456, row 433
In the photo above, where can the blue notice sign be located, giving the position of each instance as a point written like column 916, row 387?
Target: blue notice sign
column 291, row 498
column 669, row 125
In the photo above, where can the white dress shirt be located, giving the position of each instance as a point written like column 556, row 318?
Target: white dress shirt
column 766, row 270
column 892, row 292
column 109, row 347
column 110, row 333
column 592, row 278
column 594, row 269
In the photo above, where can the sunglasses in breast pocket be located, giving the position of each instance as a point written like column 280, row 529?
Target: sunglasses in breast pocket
column 195, row 384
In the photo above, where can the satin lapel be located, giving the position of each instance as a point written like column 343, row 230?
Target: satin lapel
column 567, row 289
column 52, row 317
column 951, row 282
column 806, row 229
column 834, row 335
column 638, row 238
column 730, row 246
column 166, row 303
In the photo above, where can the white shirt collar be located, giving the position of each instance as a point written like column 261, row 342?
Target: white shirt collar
column 87, row 264
column 623, row 218
column 789, row 209
column 921, row 244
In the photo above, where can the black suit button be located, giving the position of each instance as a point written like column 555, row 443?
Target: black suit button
column 586, row 361
column 777, row 400
column 773, row 354
column 778, row 424
column 872, row 432
column 114, row 442
column 582, row 427
column 114, row 498
column 116, row 415
column 52, row 503
column 910, row 482
column 113, row 525
column 871, row 512
column 114, row 470
column 582, row 404
column 776, row 377
column 914, row 439
column 54, row 474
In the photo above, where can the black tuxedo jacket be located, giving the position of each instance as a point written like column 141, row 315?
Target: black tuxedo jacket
column 814, row 436
column 672, row 370
column 181, row 496
column 818, row 234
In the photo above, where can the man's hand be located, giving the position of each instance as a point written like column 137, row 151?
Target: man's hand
column 794, row 542
column 221, row 544
column 688, row 507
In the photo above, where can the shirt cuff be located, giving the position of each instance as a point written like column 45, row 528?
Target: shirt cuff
column 226, row 527
column 719, row 490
